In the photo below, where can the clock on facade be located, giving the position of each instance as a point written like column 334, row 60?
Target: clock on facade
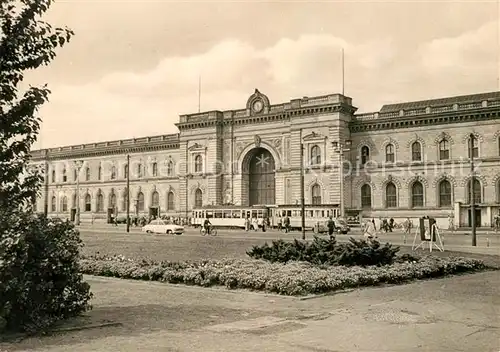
column 258, row 105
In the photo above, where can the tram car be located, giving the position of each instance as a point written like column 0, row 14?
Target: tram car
column 316, row 217
column 230, row 216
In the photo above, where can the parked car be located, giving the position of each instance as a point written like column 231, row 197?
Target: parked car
column 340, row 224
column 162, row 226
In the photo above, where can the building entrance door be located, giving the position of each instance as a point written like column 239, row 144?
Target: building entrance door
column 153, row 212
column 261, row 171
column 477, row 218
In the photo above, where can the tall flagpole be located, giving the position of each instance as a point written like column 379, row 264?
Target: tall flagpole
column 199, row 93
column 343, row 71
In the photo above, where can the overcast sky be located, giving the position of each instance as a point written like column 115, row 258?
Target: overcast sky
column 133, row 66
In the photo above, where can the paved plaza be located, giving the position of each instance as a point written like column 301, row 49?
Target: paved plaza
column 453, row 314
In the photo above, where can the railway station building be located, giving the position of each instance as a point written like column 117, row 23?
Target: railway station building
column 406, row 160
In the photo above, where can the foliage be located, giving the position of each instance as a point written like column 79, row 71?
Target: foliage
column 296, row 278
column 36, row 255
column 327, row 251
column 40, row 282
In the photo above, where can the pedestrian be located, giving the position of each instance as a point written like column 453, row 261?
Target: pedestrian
column 331, row 227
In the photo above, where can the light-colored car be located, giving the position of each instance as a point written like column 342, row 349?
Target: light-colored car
column 162, row 226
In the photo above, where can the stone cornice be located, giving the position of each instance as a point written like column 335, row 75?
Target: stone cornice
column 271, row 117
column 429, row 119
column 135, row 145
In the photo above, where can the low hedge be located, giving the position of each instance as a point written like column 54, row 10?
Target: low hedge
column 327, row 251
column 294, row 278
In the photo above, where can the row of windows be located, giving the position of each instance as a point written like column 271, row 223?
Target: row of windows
column 140, row 171
column 139, row 202
column 417, row 194
column 416, row 151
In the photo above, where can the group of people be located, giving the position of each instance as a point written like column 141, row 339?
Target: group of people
column 257, row 223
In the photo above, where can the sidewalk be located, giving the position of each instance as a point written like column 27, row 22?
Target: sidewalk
column 453, row 314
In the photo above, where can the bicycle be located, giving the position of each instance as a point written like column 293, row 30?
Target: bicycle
column 212, row 231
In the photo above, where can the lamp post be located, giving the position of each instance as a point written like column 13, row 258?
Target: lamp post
column 472, row 194
column 341, row 148
column 127, row 194
column 78, row 165
column 302, row 198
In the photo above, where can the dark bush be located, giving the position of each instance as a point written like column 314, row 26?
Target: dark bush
column 40, row 279
column 327, row 251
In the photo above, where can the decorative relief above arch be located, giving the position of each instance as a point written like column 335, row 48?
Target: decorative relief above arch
column 366, row 142
column 444, row 135
column 365, row 181
column 442, row 177
column 316, row 181
column 496, row 135
column 392, row 179
column 414, row 139
column 479, row 137
column 197, row 185
column 481, row 178
column 392, row 141
column 314, row 136
column 496, row 179
column 417, row 178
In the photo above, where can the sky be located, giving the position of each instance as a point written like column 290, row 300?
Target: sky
column 133, row 66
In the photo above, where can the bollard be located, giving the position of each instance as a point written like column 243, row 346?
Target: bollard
column 487, row 242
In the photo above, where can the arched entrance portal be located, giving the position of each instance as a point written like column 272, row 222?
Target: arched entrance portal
column 261, row 180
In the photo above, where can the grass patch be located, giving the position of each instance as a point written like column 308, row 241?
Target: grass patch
column 293, row 278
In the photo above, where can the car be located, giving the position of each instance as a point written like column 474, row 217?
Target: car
column 340, row 224
column 162, row 226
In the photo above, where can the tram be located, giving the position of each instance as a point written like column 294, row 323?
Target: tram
column 232, row 216
column 314, row 215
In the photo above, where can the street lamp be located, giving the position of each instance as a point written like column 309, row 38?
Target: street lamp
column 472, row 195
column 78, row 165
column 341, row 148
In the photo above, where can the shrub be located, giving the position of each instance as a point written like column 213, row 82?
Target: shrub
column 327, row 251
column 40, row 279
column 297, row 278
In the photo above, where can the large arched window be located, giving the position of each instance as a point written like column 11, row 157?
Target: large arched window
column 366, row 196
column 444, row 150
column 475, row 148
column 139, row 171
column 315, row 155
column 124, row 200
column 416, row 151
column 316, row 194
column 53, row 204
column 74, row 204
column 100, row 202
column 365, row 154
column 477, row 191
column 53, row 176
column 391, row 198
column 113, row 172
column 445, row 193
column 64, row 204
column 88, row 202
column 64, row 176
column 125, row 171
column 170, row 201
column 198, row 164
column 170, row 168
column 99, row 173
column 198, row 198
column 417, row 194
column 87, row 173
column 155, row 199
column 154, row 169
column 140, row 201
column 389, row 153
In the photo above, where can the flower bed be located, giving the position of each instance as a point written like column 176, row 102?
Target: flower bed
column 294, row 278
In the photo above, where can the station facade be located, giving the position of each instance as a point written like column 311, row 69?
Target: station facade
column 406, row 160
